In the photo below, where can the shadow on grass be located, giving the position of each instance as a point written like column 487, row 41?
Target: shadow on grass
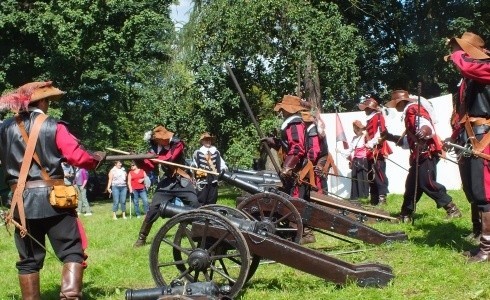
column 90, row 292
column 445, row 233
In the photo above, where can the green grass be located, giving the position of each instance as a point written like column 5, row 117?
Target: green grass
column 428, row 266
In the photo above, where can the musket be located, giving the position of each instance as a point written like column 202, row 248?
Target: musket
column 417, row 149
column 166, row 162
column 129, row 156
column 256, row 124
column 467, row 150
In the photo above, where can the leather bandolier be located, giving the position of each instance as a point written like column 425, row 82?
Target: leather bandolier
column 473, row 118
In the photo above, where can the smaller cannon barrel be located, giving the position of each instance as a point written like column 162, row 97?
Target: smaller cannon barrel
column 193, row 290
column 169, row 210
column 233, row 180
column 258, row 179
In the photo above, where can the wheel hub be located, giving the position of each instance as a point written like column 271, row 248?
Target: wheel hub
column 199, row 260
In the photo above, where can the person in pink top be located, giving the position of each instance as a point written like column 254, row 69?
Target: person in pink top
column 357, row 155
column 136, row 185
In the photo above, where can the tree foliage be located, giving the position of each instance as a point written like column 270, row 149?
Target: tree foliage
column 105, row 54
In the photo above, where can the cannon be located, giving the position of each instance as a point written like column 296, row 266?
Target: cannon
column 289, row 215
column 259, row 182
column 223, row 245
column 178, row 290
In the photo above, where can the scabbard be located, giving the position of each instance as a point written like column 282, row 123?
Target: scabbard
column 130, row 156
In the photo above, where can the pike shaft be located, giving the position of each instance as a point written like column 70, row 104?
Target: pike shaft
column 167, row 162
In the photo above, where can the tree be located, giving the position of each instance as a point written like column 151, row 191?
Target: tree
column 266, row 43
column 105, row 54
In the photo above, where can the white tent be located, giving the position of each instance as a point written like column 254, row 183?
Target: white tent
column 447, row 172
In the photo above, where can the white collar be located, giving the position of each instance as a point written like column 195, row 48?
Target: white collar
column 205, row 149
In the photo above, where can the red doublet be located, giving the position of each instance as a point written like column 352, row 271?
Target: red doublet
column 71, row 149
column 171, row 155
column 294, row 137
column 374, row 125
column 432, row 148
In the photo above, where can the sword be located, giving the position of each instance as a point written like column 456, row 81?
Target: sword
column 467, row 150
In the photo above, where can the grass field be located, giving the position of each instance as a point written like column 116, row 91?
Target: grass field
column 428, row 266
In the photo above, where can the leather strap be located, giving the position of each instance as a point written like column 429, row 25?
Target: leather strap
column 307, row 170
column 17, row 199
column 23, row 132
column 478, row 145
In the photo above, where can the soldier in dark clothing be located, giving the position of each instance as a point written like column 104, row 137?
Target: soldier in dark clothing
column 176, row 183
column 471, row 124
column 425, row 148
column 55, row 145
column 207, row 157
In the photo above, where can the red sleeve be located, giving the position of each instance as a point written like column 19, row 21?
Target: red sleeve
column 171, row 155
column 478, row 70
column 71, row 149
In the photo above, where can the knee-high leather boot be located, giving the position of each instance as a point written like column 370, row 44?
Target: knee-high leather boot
column 484, row 251
column 71, row 281
column 29, row 286
column 144, row 231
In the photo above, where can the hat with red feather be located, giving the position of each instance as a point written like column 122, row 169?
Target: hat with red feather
column 20, row 98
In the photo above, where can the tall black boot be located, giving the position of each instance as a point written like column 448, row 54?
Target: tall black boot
column 29, row 286
column 144, row 231
column 71, row 281
column 484, row 251
column 474, row 236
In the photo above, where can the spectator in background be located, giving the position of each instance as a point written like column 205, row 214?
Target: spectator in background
column 356, row 154
column 69, row 173
column 207, row 158
column 136, row 185
column 116, row 185
column 81, row 179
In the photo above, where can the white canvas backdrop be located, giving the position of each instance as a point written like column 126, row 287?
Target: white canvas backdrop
column 447, row 172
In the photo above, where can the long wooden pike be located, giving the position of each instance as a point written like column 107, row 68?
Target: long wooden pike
column 167, row 162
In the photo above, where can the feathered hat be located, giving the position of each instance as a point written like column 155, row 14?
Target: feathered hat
column 20, row 98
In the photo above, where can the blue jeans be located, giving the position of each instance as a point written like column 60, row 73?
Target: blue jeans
column 119, row 197
column 144, row 197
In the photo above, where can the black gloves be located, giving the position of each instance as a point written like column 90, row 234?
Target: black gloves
column 271, row 142
column 397, row 139
column 100, row 157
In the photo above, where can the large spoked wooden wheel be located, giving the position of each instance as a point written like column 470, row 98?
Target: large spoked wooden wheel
column 239, row 214
column 276, row 214
column 200, row 246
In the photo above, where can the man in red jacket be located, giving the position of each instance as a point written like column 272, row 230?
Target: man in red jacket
column 471, row 124
column 420, row 138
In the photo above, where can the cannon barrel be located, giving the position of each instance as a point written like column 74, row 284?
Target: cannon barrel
column 169, row 210
column 193, row 290
column 233, row 180
column 258, row 179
